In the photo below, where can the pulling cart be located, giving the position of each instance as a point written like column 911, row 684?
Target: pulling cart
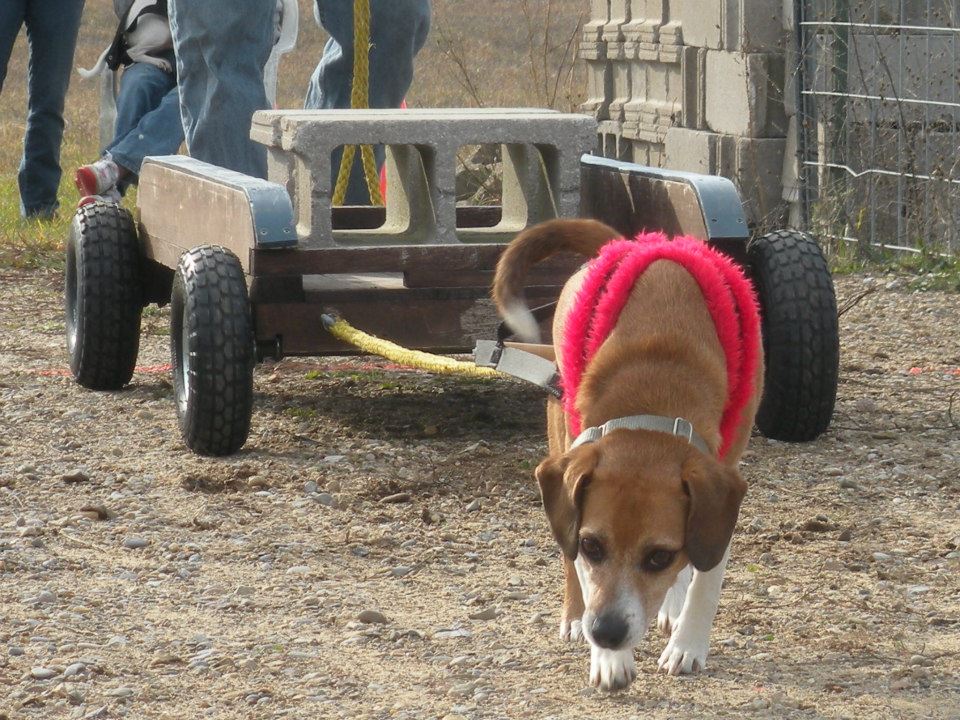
column 249, row 266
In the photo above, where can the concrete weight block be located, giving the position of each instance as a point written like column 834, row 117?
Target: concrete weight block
column 744, row 94
column 691, row 150
column 701, row 21
column 541, row 168
column 759, row 168
column 599, row 89
column 753, row 26
column 599, row 17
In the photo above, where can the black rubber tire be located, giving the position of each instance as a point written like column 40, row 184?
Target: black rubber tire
column 800, row 335
column 102, row 296
column 212, row 351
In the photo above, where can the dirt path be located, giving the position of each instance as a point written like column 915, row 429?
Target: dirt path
column 231, row 588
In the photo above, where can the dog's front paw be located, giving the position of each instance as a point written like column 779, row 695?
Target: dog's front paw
column 612, row 669
column 664, row 623
column 684, row 654
column 673, row 602
column 571, row 630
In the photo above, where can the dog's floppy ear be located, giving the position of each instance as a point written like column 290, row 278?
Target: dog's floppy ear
column 562, row 481
column 715, row 492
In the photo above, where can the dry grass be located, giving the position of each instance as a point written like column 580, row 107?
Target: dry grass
column 526, row 62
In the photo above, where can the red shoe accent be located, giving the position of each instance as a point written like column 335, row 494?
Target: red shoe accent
column 86, row 200
column 86, row 181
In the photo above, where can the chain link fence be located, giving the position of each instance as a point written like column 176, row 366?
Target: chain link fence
column 878, row 96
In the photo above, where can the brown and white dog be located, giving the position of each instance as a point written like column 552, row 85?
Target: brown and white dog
column 643, row 517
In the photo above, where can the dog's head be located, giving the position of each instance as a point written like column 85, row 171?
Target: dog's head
column 631, row 510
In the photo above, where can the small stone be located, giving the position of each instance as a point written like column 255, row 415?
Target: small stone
column 298, row 570
column 400, row 497
column 15, row 651
column 451, row 633
column 75, row 476
column 372, row 617
column 334, row 459
column 135, row 543
column 42, row 673
column 473, row 506
column 74, row 669
column 845, row 535
column 881, row 557
column 903, row 683
column 430, row 517
column 489, row 613
column 165, row 659
column 461, row 690
column 920, row 661
column 817, row 525
column 326, row 499
column 310, row 487
column 120, row 692
column 95, row 512
column 848, row 484
column 401, row 570
column 46, row 597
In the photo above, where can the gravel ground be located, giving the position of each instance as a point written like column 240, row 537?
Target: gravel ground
column 377, row 550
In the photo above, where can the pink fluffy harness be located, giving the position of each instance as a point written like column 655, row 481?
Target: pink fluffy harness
column 611, row 276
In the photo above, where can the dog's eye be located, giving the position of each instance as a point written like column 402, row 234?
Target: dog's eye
column 658, row 560
column 591, row 548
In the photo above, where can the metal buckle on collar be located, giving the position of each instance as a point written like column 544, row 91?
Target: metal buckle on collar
column 683, row 428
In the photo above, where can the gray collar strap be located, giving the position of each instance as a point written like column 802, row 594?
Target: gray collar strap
column 672, row 426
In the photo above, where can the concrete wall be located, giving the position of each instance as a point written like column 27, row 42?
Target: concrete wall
column 696, row 85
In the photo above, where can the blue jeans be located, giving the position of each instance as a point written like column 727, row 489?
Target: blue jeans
column 148, row 118
column 398, row 29
column 52, row 37
column 222, row 47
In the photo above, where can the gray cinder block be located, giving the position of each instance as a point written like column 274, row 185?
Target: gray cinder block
column 691, row 150
column 621, row 90
column 753, row 26
column 759, row 166
column 744, row 94
column 701, row 20
column 599, row 17
column 541, row 167
column 599, row 89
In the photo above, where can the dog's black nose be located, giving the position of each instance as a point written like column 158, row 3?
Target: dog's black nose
column 608, row 630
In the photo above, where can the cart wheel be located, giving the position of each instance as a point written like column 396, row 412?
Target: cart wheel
column 800, row 337
column 102, row 296
column 212, row 349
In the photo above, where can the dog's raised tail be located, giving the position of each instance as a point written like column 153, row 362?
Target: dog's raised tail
column 584, row 237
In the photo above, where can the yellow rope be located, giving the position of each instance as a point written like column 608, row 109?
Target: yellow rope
column 359, row 98
column 438, row 364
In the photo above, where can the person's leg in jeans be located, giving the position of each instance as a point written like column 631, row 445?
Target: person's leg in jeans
column 148, row 119
column 12, row 15
column 398, row 29
column 222, row 47
column 148, row 123
column 52, row 38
